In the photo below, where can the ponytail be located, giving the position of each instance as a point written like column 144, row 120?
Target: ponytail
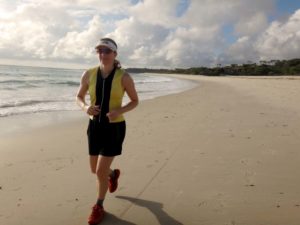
column 117, row 64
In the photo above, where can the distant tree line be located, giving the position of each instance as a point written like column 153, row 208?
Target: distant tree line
column 272, row 67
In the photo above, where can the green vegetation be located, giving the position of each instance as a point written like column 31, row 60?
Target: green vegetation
column 272, row 67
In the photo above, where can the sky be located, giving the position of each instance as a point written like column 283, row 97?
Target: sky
column 149, row 33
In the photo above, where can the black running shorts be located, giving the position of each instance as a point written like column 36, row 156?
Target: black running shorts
column 105, row 138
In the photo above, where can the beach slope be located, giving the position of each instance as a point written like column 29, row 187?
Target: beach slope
column 225, row 152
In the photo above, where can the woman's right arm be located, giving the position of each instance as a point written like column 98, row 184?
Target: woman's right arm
column 80, row 97
column 83, row 88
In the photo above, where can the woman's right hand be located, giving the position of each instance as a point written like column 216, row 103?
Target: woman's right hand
column 93, row 110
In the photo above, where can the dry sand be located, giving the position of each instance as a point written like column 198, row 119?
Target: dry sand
column 223, row 153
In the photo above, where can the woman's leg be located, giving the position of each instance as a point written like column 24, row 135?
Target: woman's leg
column 100, row 165
column 103, row 172
column 93, row 163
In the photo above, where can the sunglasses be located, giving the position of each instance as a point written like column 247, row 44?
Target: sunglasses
column 105, row 51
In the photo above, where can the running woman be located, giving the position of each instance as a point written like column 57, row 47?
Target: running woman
column 106, row 85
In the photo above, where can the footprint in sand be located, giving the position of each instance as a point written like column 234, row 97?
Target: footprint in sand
column 204, row 203
column 249, row 178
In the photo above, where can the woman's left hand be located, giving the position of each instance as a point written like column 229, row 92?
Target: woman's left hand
column 112, row 115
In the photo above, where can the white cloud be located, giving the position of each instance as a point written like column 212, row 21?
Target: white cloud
column 149, row 33
column 156, row 12
column 138, row 39
column 191, row 46
column 31, row 31
column 281, row 40
column 252, row 25
column 196, row 37
column 241, row 51
column 79, row 44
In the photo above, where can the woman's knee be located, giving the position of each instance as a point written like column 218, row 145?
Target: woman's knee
column 93, row 170
column 102, row 175
column 93, row 163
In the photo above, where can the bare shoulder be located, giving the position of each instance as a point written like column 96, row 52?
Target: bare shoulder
column 85, row 77
column 126, row 79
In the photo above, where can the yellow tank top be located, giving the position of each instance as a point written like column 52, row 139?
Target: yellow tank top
column 116, row 91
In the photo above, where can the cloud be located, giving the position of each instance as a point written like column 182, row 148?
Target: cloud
column 159, row 38
column 139, row 42
column 149, row 33
column 196, row 37
column 281, row 40
column 255, row 24
column 31, row 31
column 191, row 46
column 156, row 12
column 241, row 51
column 79, row 44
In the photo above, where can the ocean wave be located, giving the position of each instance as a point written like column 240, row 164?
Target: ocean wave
column 34, row 111
column 144, row 91
column 8, row 88
column 28, row 103
column 68, row 83
column 150, row 81
column 150, row 78
column 26, row 90
column 12, row 82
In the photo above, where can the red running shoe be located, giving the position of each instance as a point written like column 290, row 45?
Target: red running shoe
column 97, row 215
column 113, row 181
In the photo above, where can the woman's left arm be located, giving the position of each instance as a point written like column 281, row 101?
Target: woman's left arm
column 129, row 87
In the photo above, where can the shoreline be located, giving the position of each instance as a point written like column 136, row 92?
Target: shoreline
column 19, row 123
column 226, row 151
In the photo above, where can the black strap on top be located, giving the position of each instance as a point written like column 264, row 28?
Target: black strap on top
column 103, row 95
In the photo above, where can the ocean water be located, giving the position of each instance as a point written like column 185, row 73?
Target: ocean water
column 27, row 90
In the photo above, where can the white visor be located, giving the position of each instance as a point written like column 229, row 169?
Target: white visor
column 108, row 44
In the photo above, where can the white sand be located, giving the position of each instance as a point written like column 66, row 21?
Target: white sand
column 226, row 152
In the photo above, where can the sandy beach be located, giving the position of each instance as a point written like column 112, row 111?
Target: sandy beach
column 223, row 153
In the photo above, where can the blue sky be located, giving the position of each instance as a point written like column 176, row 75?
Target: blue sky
column 287, row 6
column 182, row 6
column 149, row 33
